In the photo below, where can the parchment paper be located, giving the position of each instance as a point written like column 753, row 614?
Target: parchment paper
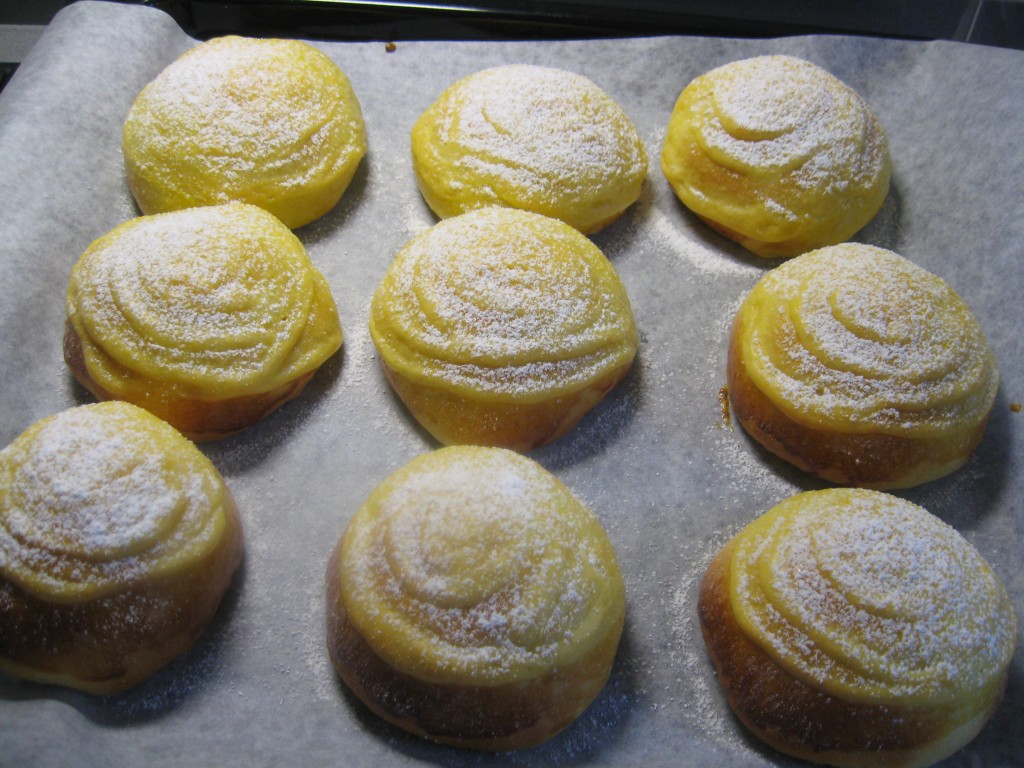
column 669, row 477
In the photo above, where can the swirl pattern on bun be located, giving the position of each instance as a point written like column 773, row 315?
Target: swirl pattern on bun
column 862, row 368
column 209, row 317
column 118, row 539
column 853, row 628
column 776, row 153
column 473, row 600
column 502, row 327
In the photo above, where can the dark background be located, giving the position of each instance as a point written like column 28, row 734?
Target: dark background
column 990, row 22
column 987, row 22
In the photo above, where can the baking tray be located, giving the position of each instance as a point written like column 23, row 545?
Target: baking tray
column 658, row 461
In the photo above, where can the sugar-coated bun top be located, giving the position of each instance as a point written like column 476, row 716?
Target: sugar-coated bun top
column 777, row 154
column 103, row 496
column 217, row 301
column 476, row 566
column 536, row 138
column 505, row 304
column 873, row 599
column 270, row 122
column 858, row 339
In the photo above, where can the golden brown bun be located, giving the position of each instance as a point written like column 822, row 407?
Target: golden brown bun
column 536, row 138
column 474, row 601
column 854, row 657
column 861, row 368
column 454, row 419
column 777, row 154
column 210, row 317
column 269, row 122
column 502, row 327
column 118, row 541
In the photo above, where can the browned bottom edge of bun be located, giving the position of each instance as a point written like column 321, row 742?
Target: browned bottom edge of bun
column 197, row 419
column 766, row 250
column 865, row 460
column 492, row 718
column 456, row 420
column 805, row 722
column 112, row 643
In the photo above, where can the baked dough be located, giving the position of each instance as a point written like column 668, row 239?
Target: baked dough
column 853, row 628
column 535, row 138
column 270, row 122
column 210, row 317
column 474, row 601
column 502, row 327
column 777, row 154
column 858, row 366
column 118, row 539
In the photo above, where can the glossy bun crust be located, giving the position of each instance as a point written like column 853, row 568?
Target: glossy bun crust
column 118, row 540
column 210, row 317
column 777, row 154
column 852, row 628
column 474, row 601
column 502, row 327
column 269, row 122
column 535, row 138
column 859, row 367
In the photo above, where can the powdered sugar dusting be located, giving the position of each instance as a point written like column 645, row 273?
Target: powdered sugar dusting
column 477, row 562
column 779, row 152
column 509, row 115
column 698, row 255
column 92, row 498
column 235, row 116
column 868, row 594
column 531, row 137
column 217, row 297
column 705, row 708
column 783, row 114
column 503, row 301
column 860, row 336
